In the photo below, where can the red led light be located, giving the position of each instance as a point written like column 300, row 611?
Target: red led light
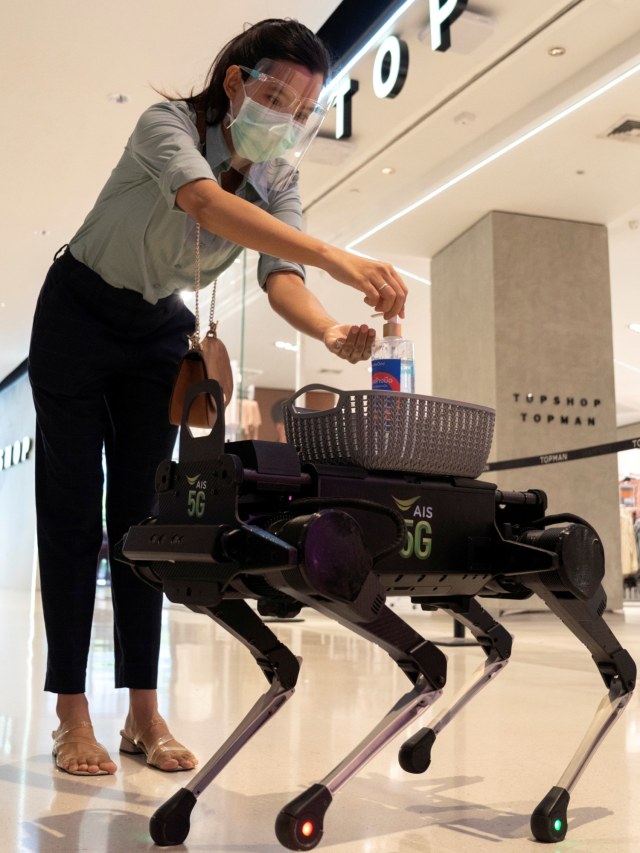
column 306, row 829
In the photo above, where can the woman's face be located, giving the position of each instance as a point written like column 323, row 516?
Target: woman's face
column 274, row 112
column 282, row 86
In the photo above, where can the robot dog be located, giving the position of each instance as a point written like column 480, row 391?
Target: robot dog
column 303, row 524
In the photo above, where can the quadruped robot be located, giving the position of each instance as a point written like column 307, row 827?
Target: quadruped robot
column 252, row 520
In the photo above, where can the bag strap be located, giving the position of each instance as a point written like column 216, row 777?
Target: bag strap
column 194, row 339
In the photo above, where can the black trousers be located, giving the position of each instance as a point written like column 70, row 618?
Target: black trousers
column 101, row 364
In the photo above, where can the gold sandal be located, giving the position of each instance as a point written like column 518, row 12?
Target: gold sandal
column 93, row 752
column 158, row 751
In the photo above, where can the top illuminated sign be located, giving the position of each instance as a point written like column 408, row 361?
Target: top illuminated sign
column 392, row 59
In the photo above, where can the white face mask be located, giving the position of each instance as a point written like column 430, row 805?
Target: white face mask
column 259, row 133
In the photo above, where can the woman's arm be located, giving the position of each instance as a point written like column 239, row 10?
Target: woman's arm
column 289, row 298
column 240, row 221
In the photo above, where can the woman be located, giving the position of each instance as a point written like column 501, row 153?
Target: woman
column 110, row 329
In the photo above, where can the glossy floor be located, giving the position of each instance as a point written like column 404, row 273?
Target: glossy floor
column 490, row 767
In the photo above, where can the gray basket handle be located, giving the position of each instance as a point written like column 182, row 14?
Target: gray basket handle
column 294, row 410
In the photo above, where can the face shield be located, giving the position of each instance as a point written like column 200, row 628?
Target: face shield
column 278, row 118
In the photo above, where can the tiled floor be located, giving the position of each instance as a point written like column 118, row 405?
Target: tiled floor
column 490, row 767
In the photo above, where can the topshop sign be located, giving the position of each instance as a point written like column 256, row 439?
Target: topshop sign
column 391, row 63
column 14, row 454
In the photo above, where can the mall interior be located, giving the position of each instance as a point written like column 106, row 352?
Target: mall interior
column 490, row 151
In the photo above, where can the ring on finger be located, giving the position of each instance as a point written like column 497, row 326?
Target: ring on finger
column 380, row 289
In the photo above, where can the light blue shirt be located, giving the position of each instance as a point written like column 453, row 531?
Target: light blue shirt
column 137, row 238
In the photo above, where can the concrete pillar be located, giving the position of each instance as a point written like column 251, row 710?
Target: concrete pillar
column 521, row 321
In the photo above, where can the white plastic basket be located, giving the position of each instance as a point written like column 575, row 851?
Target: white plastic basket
column 392, row 431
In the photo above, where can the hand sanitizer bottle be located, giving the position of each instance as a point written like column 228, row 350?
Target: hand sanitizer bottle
column 392, row 363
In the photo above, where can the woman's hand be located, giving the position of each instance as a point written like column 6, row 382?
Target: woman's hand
column 301, row 308
column 241, row 222
column 383, row 288
column 352, row 343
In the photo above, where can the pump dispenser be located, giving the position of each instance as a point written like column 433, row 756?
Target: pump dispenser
column 392, row 363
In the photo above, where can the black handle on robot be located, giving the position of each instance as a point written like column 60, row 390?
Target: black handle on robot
column 206, row 446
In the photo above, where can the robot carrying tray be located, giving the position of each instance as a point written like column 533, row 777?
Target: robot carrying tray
column 329, row 521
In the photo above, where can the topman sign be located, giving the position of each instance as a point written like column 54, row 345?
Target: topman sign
column 391, row 63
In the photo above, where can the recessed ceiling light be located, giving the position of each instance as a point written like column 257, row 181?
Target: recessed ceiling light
column 388, row 170
column 464, row 119
column 635, row 327
column 118, row 98
column 41, row 232
column 557, row 51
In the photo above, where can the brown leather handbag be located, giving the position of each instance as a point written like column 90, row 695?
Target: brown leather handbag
column 206, row 359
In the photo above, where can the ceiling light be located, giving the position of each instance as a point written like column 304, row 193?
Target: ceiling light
column 510, row 146
column 464, row 118
column 635, row 327
column 628, row 366
column 286, row 346
column 118, row 98
column 557, row 51
column 388, row 170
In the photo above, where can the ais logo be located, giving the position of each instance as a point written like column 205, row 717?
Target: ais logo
column 418, row 532
column 196, row 497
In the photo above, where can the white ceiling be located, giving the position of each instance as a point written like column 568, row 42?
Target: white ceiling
column 61, row 136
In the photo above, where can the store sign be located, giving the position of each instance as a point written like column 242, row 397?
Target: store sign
column 442, row 13
column 556, row 409
column 14, row 454
column 390, row 68
column 391, row 63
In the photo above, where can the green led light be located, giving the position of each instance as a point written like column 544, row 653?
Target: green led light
column 557, row 825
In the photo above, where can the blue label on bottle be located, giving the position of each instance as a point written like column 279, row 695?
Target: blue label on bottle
column 385, row 374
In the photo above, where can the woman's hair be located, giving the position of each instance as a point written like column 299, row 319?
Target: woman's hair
column 273, row 38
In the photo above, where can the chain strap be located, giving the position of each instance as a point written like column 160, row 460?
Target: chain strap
column 194, row 339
